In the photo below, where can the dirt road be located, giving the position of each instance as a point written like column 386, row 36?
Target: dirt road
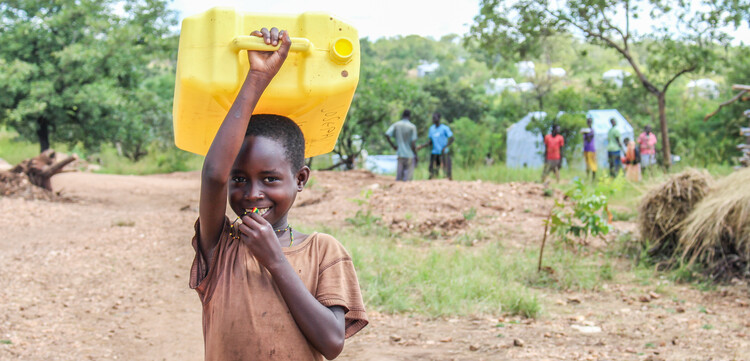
column 104, row 277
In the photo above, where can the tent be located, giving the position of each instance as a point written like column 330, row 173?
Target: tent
column 526, row 149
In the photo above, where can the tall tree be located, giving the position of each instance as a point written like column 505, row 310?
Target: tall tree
column 70, row 70
column 681, row 40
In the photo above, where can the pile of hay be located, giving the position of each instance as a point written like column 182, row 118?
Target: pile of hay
column 664, row 208
column 717, row 233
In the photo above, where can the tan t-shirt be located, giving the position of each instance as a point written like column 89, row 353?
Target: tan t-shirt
column 245, row 316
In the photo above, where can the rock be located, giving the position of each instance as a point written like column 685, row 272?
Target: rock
column 518, row 342
column 574, row 300
column 447, row 339
column 654, row 295
column 644, row 299
column 395, row 338
column 680, row 309
column 586, row 329
column 473, row 347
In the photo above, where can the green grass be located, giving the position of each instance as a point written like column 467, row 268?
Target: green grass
column 416, row 275
column 156, row 161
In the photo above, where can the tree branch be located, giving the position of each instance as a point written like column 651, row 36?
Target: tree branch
column 726, row 103
column 683, row 71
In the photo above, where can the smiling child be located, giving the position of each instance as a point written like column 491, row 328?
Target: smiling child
column 268, row 291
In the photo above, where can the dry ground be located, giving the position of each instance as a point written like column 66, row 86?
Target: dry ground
column 103, row 276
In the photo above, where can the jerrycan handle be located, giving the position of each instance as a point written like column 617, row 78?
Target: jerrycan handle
column 247, row 42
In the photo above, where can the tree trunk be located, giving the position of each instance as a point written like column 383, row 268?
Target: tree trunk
column 666, row 149
column 43, row 134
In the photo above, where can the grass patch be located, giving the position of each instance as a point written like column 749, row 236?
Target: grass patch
column 416, row 275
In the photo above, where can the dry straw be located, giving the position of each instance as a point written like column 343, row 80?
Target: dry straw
column 664, row 207
column 717, row 233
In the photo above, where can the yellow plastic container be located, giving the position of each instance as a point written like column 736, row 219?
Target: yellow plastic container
column 314, row 87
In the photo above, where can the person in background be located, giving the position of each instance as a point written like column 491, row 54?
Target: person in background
column 441, row 137
column 613, row 149
column 647, row 142
column 632, row 161
column 488, row 161
column 553, row 144
column 405, row 133
column 589, row 149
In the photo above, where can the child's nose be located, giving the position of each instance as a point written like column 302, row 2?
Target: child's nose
column 253, row 192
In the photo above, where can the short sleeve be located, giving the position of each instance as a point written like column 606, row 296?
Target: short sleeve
column 448, row 132
column 413, row 132
column 200, row 274
column 562, row 141
column 389, row 132
column 338, row 284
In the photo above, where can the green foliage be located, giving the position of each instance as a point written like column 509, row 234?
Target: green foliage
column 587, row 214
column 76, row 71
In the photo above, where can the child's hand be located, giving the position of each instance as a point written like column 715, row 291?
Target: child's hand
column 258, row 234
column 269, row 62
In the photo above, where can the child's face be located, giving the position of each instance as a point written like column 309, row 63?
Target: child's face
column 262, row 178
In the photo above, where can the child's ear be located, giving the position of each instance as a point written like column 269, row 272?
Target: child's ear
column 303, row 175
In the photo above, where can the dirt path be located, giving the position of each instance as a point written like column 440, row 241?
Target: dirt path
column 104, row 277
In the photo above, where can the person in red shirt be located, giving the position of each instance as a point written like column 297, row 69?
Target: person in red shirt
column 553, row 144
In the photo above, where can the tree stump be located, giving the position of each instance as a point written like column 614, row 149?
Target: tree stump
column 41, row 168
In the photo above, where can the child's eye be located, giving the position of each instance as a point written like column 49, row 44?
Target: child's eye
column 238, row 179
column 270, row 179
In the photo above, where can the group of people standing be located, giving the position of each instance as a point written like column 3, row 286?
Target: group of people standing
column 404, row 132
column 627, row 152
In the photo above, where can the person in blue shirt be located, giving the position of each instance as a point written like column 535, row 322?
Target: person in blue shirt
column 441, row 137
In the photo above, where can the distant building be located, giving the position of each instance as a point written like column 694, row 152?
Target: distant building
column 615, row 76
column 526, row 69
column 499, row 85
column 425, row 68
column 526, row 87
column 557, row 72
column 704, row 88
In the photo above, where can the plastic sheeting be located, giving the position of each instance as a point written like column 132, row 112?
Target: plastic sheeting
column 526, row 149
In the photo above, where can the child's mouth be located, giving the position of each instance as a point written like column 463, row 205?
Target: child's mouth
column 260, row 211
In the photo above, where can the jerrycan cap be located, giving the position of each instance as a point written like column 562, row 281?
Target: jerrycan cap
column 342, row 50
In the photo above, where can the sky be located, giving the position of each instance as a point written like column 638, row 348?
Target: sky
column 373, row 19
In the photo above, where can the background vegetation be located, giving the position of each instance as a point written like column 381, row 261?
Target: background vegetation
column 103, row 81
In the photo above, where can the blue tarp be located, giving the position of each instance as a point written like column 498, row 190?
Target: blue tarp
column 526, row 149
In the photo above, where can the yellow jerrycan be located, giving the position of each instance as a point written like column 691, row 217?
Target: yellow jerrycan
column 314, row 87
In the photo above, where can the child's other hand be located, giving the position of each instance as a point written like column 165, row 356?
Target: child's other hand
column 269, row 62
column 258, row 234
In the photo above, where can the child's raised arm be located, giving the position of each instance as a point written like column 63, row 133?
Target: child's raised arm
column 226, row 145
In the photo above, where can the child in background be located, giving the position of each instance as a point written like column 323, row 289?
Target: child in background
column 268, row 291
column 632, row 161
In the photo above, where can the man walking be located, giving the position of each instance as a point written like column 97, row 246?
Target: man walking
column 441, row 137
column 613, row 149
column 405, row 134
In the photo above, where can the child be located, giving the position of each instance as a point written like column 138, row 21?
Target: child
column 632, row 161
column 268, row 292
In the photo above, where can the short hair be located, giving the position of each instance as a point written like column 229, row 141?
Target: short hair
column 283, row 130
column 406, row 113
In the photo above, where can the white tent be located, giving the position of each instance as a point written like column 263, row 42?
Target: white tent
column 526, row 68
column 615, row 76
column 499, row 85
column 526, row 149
column 705, row 88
